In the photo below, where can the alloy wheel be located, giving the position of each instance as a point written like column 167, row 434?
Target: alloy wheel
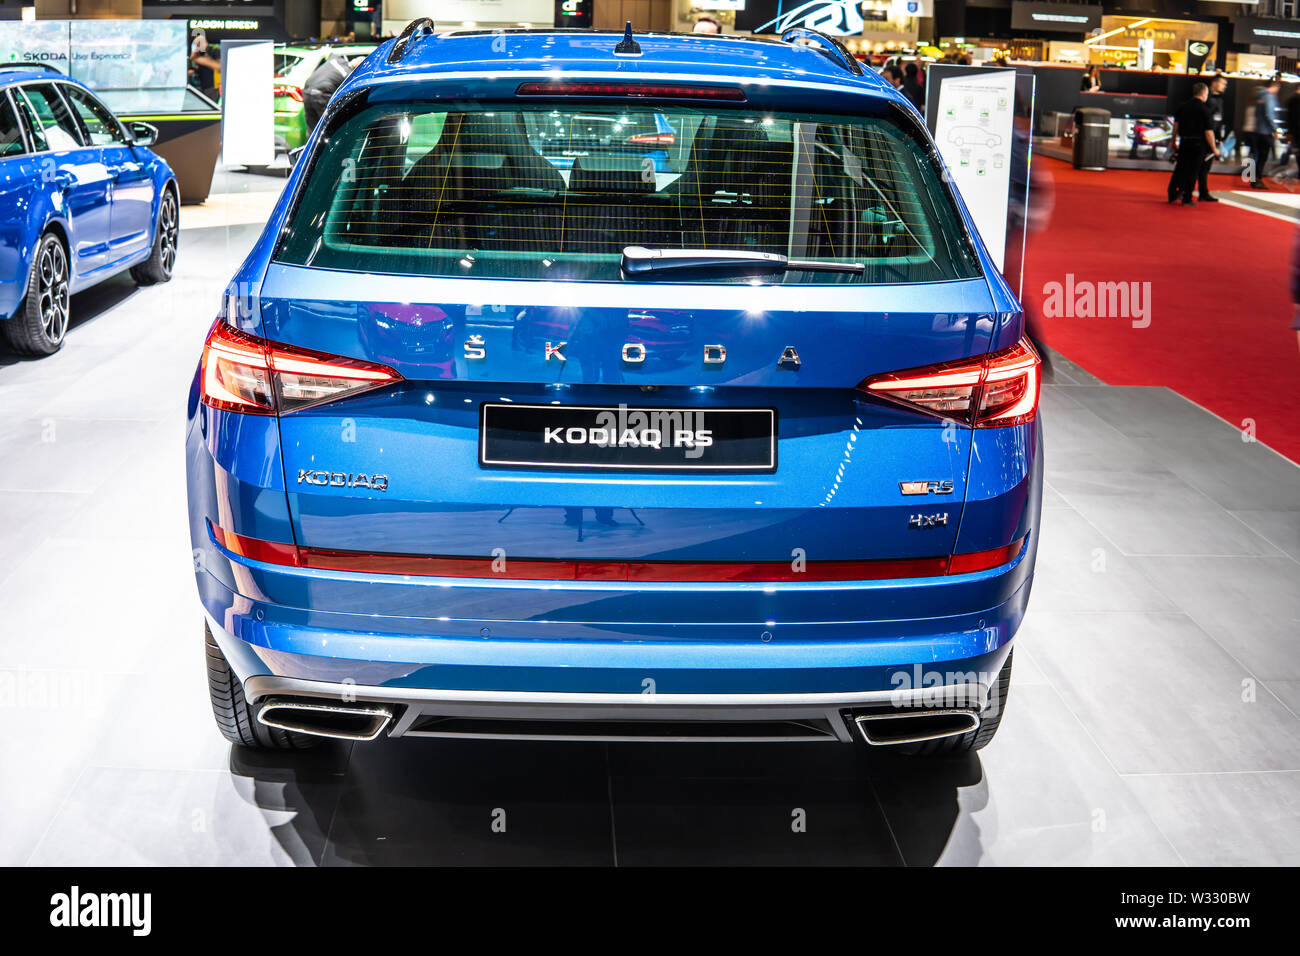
column 168, row 229
column 52, row 280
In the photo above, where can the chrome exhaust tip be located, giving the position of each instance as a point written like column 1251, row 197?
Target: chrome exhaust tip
column 324, row 719
column 890, row 728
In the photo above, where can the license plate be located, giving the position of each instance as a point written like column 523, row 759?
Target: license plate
column 625, row 438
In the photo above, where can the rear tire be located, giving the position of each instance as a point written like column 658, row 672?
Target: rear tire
column 162, row 259
column 235, row 719
column 977, row 739
column 41, row 324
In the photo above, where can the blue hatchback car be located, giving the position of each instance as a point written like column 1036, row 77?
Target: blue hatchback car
column 82, row 197
column 813, row 518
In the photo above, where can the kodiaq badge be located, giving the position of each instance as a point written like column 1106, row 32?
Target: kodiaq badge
column 925, row 487
column 340, row 479
column 928, row 521
column 789, row 359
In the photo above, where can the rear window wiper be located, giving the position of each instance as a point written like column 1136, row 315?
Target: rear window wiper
column 641, row 261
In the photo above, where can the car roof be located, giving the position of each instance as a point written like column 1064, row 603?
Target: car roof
column 706, row 56
column 32, row 73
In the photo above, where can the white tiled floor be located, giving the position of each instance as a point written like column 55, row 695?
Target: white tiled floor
column 1153, row 718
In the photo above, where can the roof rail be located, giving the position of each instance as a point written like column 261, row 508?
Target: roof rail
column 420, row 26
column 30, row 65
column 829, row 47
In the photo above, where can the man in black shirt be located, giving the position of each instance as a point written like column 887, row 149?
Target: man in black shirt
column 320, row 86
column 1218, row 123
column 1192, row 124
column 1293, row 125
column 912, row 88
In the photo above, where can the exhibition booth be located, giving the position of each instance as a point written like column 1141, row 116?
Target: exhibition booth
column 1145, row 68
column 140, row 68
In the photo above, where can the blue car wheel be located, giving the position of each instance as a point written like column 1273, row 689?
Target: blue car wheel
column 158, row 267
column 41, row 324
column 235, row 719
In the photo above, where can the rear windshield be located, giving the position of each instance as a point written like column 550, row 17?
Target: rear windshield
column 427, row 189
column 284, row 62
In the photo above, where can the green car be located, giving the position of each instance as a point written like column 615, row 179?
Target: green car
column 294, row 62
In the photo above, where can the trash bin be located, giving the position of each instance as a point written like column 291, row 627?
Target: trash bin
column 1091, row 138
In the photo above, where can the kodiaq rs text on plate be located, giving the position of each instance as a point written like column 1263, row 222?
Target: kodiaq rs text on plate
column 738, row 441
column 82, row 197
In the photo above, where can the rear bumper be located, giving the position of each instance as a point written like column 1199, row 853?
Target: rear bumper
column 425, row 712
column 595, row 665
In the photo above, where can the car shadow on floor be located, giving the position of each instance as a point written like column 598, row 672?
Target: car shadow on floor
column 511, row 803
column 84, row 308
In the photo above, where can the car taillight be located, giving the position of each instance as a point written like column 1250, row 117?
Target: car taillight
column 662, row 91
column 235, row 373
column 998, row 389
column 652, row 139
column 292, row 92
column 1011, row 386
column 244, row 373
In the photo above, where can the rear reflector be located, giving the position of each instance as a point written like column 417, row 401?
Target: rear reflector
column 272, row 552
column 244, row 373
column 552, row 570
column 993, row 390
column 546, row 569
column 983, row 560
column 660, row 91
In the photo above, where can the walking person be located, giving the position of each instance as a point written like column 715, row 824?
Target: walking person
column 1194, row 135
column 912, row 86
column 1295, row 284
column 1293, row 126
column 1214, row 103
column 1266, row 130
column 203, row 66
column 321, row 85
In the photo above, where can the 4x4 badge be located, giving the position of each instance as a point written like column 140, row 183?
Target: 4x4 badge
column 928, row 521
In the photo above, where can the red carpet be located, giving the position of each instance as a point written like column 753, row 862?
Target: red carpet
column 1219, row 298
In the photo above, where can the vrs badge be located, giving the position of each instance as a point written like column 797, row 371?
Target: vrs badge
column 925, row 487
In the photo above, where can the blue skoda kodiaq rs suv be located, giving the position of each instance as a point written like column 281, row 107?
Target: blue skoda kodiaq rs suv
column 494, row 438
